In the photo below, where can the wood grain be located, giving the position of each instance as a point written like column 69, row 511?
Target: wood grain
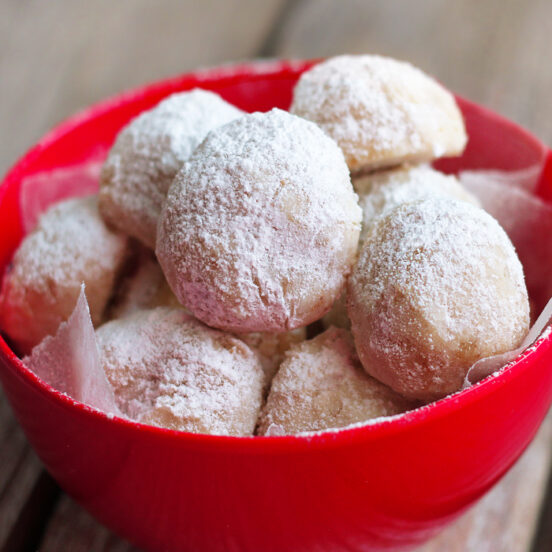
column 71, row 528
column 58, row 56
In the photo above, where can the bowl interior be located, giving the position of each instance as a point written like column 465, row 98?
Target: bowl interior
column 494, row 143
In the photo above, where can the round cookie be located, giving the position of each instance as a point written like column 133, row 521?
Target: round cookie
column 147, row 154
column 321, row 385
column 382, row 112
column 437, row 286
column 260, row 227
column 382, row 191
column 169, row 370
column 70, row 245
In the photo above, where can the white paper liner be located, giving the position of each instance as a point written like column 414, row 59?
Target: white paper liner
column 70, row 362
column 525, row 179
column 528, row 222
column 489, row 365
column 526, row 219
column 41, row 190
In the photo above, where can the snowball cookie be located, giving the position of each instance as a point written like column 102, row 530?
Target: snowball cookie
column 321, row 385
column 437, row 286
column 147, row 154
column 143, row 286
column 382, row 112
column 382, row 191
column 272, row 347
column 169, row 370
column 260, row 227
column 70, row 245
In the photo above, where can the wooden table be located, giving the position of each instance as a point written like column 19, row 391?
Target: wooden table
column 59, row 56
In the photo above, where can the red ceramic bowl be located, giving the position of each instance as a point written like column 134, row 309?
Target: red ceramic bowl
column 385, row 486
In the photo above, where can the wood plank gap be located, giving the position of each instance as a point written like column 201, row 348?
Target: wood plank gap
column 269, row 46
column 28, row 530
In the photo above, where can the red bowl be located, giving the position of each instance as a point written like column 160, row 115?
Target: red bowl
column 385, row 486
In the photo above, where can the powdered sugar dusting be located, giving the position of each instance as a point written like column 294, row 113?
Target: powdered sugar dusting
column 168, row 369
column 71, row 245
column 437, row 286
column 322, row 385
column 382, row 191
column 381, row 111
column 260, row 227
column 148, row 153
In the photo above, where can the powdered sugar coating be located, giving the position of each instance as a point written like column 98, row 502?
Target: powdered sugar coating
column 148, row 153
column 261, row 225
column 70, row 245
column 382, row 191
column 437, row 286
column 382, row 112
column 321, row 385
column 168, row 369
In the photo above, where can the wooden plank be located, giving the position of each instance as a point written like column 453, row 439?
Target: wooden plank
column 26, row 494
column 71, row 528
column 59, row 56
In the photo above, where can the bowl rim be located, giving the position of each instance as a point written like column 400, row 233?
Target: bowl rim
column 363, row 431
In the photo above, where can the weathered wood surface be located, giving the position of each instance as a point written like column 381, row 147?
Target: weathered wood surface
column 59, row 56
